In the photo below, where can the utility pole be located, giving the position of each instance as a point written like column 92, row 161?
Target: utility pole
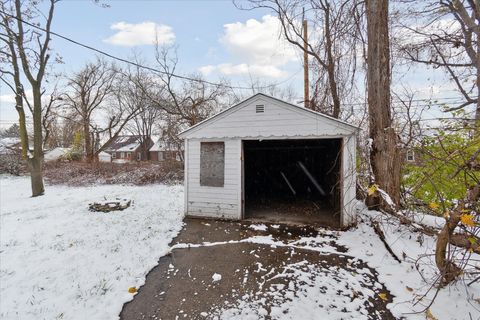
column 305, row 62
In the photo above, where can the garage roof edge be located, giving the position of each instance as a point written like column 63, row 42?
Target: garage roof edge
column 201, row 124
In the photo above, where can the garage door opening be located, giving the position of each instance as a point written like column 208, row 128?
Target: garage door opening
column 293, row 181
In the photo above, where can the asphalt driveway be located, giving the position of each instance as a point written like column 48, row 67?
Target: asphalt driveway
column 240, row 270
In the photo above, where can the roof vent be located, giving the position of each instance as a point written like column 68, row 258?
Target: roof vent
column 259, row 108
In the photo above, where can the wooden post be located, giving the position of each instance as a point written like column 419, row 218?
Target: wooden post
column 305, row 64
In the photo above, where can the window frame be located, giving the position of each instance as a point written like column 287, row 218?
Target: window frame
column 217, row 180
column 410, row 156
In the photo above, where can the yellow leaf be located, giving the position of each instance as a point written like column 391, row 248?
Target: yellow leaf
column 433, row 205
column 132, row 289
column 383, row 296
column 372, row 189
column 430, row 315
column 467, row 220
column 472, row 240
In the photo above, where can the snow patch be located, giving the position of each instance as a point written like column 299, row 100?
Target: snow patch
column 258, row 227
column 216, row 277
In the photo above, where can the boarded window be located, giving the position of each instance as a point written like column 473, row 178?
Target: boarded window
column 212, row 164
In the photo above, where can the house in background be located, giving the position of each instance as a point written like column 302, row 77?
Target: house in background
column 104, row 157
column 162, row 151
column 10, row 145
column 56, row 154
column 128, row 148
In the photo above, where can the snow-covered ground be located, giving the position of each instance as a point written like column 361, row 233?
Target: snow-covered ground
column 60, row 261
column 405, row 280
column 318, row 293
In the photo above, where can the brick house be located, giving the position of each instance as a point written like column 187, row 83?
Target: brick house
column 162, row 151
column 128, row 148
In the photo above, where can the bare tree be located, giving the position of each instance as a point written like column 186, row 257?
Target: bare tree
column 49, row 117
column 384, row 154
column 287, row 93
column 408, row 115
column 135, row 88
column 446, row 35
column 90, row 89
column 333, row 44
column 25, row 55
column 191, row 101
column 118, row 112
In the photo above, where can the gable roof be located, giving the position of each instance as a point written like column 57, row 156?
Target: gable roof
column 124, row 143
column 280, row 103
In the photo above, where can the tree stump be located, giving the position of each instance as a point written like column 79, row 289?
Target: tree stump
column 109, row 206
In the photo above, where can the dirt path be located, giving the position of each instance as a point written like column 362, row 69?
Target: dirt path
column 270, row 273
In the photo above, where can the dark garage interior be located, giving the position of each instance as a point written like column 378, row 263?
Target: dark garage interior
column 294, row 181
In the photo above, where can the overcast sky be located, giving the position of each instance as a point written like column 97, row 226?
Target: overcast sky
column 213, row 38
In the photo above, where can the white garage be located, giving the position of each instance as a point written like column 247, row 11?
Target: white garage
column 268, row 160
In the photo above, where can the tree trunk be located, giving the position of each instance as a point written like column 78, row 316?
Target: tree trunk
column 384, row 154
column 36, row 176
column 22, row 124
column 331, row 65
column 448, row 269
column 89, row 156
column 36, row 162
column 477, row 111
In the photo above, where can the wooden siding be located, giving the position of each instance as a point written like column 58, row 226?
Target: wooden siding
column 218, row 202
column 279, row 120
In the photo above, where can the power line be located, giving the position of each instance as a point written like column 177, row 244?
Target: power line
column 433, row 101
column 428, row 100
column 111, row 56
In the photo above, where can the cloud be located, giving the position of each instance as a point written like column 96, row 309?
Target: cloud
column 258, row 42
column 144, row 33
column 206, row 70
column 258, row 47
column 244, row 69
column 7, row 99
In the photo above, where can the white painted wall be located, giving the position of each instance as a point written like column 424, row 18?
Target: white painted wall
column 280, row 121
column 216, row 202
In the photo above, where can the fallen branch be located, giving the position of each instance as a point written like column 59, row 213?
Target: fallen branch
column 381, row 235
column 462, row 241
column 449, row 270
column 109, row 206
column 456, row 239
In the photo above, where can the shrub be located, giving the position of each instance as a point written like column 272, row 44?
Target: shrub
column 441, row 175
